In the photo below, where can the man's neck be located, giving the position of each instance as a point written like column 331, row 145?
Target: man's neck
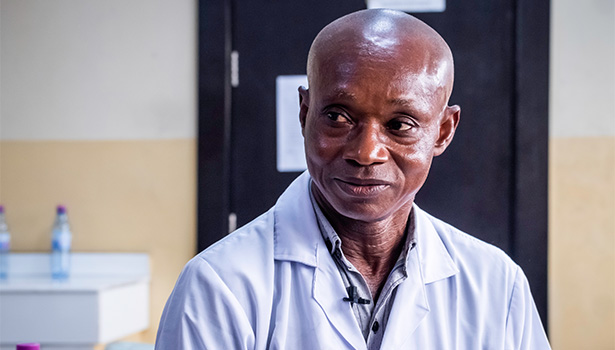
column 372, row 247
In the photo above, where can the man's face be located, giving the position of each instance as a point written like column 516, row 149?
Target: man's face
column 371, row 128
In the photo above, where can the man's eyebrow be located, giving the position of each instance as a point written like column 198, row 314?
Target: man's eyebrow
column 409, row 105
column 340, row 94
column 401, row 102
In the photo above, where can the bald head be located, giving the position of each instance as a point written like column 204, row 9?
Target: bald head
column 385, row 36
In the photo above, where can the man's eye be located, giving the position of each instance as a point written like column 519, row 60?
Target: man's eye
column 399, row 125
column 337, row 117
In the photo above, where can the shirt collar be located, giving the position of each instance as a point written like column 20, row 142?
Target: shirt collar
column 331, row 238
column 334, row 243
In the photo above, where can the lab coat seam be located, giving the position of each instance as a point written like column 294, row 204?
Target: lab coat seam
column 293, row 258
column 231, row 295
column 512, row 296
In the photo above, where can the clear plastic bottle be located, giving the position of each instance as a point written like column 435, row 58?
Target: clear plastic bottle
column 61, row 239
column 5, row 246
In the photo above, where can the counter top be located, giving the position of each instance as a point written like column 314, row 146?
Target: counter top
column 105, row 299
column 30, row 272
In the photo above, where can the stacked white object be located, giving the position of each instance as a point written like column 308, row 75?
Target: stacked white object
column 105, row 299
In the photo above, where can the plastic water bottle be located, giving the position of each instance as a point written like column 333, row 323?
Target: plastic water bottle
column 5, row 246
column 61, row 239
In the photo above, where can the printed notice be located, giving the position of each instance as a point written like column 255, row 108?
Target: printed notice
column 290, row 153
column 409, row 5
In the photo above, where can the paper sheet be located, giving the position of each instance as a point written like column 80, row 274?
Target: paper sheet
column 290, row 152
column 409, row 5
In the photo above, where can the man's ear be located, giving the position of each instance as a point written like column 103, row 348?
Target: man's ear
column 304, row 103
column 448, row 125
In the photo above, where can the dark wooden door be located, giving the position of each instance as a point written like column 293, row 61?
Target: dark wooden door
column 491, row 182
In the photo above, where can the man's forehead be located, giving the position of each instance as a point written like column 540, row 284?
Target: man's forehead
column 345, row 93
column 407, row 53
column 339, row 70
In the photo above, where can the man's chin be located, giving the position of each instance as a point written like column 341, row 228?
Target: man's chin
column 361, row 211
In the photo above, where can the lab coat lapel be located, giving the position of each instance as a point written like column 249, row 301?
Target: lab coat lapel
column 428, row 262
column 298, row 238
column 329, row 293
column 409, row 307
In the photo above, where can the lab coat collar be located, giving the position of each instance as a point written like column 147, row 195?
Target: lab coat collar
column 296, row 232
column 434, row 259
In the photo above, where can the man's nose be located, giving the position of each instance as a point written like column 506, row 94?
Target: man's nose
column 366, row 146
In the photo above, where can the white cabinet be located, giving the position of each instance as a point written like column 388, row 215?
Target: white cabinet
column 106, row 298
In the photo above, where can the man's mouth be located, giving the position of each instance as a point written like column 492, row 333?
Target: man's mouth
column 359, row 187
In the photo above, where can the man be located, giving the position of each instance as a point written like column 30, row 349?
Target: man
column 345, row 259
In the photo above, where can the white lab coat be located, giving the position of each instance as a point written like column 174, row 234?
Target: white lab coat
column 272, row 284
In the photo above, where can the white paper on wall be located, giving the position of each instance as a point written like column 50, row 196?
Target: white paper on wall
column 409, row 5
column 290, row 153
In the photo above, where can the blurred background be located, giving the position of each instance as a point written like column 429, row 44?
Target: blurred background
column 99, row 108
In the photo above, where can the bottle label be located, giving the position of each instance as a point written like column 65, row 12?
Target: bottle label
column 61, row 242
column 5, row 241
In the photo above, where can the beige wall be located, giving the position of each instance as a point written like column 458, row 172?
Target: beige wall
column 582, row 243
column 582, row 175
column 98, row 112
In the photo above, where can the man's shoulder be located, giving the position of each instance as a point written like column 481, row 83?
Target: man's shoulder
column 470, row 254
column 247, row 244
column 253, row 247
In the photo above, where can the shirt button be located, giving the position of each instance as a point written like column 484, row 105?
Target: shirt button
column 375, row 326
